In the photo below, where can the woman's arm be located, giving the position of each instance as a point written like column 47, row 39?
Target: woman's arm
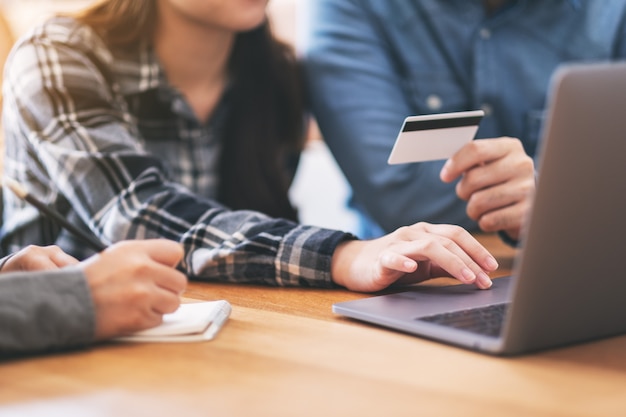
column 72, row 132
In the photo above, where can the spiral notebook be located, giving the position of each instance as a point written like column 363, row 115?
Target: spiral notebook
column 192, row 322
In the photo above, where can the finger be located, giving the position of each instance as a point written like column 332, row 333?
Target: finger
column 404, row 269
column 394, row 267
column 62, row 259
column 469, row 156
column 164, row 302
column 140, row 320
column 152, row 321
column 473, row 154
column 448, row 260
column 31, row 258
column 397, row 262
column 169, row 279
column 466, row 250
column 163, row 251
column 492, row 199
column 40, row 261
column 515, row 172
column 482, row 177
column 443, row 252
column 501, row 208
column 135, row 308
column 505, row 218
column 464, row 245
column 481, row 279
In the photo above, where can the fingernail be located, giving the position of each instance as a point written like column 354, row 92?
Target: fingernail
column 468, row 275
column 410, row 265
column 491, row 263
column 444, row 171
column 484, row 280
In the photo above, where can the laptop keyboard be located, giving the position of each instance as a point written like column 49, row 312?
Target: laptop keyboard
column 486, row 320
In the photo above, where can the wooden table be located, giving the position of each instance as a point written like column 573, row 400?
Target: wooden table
column 283, row 353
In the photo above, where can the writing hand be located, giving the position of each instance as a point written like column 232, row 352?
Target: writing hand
column 133, row 283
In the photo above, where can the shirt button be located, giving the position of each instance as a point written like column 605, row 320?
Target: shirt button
column 486, row 107
column 485, row 33
column 434, row 102
column 178, row 105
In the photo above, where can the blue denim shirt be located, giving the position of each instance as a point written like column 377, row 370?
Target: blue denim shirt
column 370, row 63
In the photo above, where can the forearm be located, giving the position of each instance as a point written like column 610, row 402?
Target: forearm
column 220, row 244
column 272, row 252
column 137, row 201
column 43, row 311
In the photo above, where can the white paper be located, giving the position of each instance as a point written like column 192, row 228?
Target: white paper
column 192, row 322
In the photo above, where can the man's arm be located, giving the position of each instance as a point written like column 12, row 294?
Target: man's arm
column 358, row 100
column 44, row 311
column 54, row 302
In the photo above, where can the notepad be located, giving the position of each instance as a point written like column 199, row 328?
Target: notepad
column 192, row 322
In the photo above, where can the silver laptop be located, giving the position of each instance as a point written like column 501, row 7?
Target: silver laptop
column 569, row 281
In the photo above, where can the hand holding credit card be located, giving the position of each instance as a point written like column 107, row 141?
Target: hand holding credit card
column 434, row 136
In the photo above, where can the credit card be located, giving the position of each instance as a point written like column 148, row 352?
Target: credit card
column 434, row 136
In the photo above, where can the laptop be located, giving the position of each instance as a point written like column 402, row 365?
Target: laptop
column 569, row 281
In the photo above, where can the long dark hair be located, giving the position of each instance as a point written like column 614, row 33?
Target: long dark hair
column 264, row 129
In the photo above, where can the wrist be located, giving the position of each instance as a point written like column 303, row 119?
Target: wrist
column 343, row 260
column 508, row 239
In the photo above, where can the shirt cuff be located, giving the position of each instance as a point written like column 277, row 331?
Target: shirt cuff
column 514, row 243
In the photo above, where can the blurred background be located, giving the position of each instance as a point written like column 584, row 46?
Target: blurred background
column 319, row 189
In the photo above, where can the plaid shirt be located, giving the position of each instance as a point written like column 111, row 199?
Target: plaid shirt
column 98, row 134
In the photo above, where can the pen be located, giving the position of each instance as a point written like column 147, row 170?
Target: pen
column 50, row 212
